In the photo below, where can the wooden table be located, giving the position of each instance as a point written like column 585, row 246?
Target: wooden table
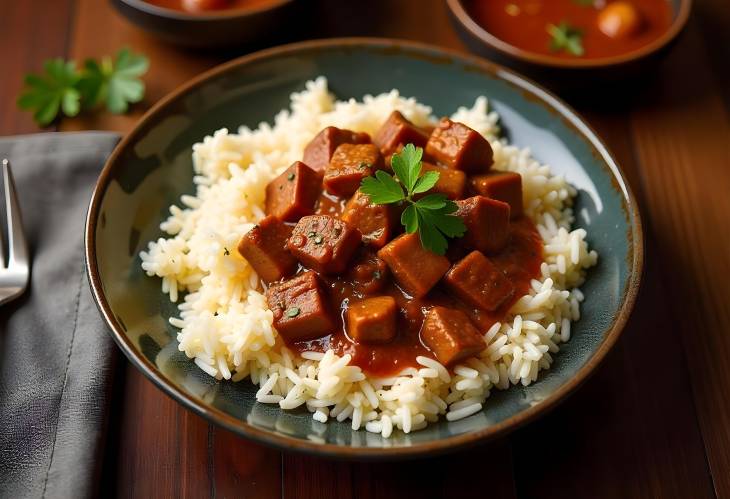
column 655, row 419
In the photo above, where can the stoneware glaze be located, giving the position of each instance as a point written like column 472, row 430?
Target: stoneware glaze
column 152, row 167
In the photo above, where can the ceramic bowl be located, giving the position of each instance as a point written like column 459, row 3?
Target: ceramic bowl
column 152, row 167
column 224, row 28
column 561, row 71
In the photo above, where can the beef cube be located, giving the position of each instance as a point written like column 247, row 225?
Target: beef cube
column 292, row 194
column 319, row 151
column 451, row 336
column 398, row 131
column 459, row 147
column 300, row 308
column 372, row 320
column 264, row 247
column 487, row 223
column 367, row 273
column 477, row 281
column 451, row 183
column 374, row 221
column 349, row 165
column 414, row 268
column 504, row 186
column 323, row 243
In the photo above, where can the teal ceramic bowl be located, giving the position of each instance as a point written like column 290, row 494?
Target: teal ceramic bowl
column 152, row 167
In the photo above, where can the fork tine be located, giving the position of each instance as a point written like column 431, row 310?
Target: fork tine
column 17, row 245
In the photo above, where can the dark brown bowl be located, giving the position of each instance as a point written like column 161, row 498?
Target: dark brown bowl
column 562, row 71
column 224, row 28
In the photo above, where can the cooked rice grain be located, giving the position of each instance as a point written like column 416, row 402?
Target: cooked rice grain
column 227, row 329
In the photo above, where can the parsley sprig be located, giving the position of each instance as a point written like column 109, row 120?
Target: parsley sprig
column 62, row 89
column 432, row 215
column 567, row 38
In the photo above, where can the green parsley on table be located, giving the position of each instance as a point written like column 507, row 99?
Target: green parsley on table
column 62, row 89
column 432, row 215
column 567, row 38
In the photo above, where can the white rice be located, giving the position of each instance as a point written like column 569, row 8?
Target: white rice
column 227, row 329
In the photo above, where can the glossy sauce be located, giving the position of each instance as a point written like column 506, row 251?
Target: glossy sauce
column 524, row 24
column 520, row 260
column 327, row 204
column 202, row 6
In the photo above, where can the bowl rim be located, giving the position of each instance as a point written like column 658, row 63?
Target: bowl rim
column 477, row 31
column 218, row 15
column 285, row 442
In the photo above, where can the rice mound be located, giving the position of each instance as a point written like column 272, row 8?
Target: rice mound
column 224, row 322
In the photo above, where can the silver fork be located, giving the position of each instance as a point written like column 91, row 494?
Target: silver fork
column 13, row 276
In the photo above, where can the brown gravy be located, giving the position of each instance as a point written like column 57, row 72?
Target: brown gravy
column 520, row 260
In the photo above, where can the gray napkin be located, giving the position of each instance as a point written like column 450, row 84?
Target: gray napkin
column 56, row 358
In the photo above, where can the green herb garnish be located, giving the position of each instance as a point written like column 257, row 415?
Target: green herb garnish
column 62, row 89
column 290, row 177
column 318, row 240
column 566, row 38
column 292, row 312
column 226, row 252
column 432, row 215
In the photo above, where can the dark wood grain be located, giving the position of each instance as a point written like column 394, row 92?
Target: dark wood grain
column 27, row 40
column 162, row 443
column 655, row 419
column 426, row 478
column 244, row 469
column 681, row 137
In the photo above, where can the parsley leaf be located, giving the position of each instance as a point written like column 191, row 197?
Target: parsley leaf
column 64, row 90
column 409, row 219
column 426, row 182
column 51, row 92
column 567, row 38
column 431, row 202
column 432, row 215
column 115, row 82
column 382, row 189
column 407, row 165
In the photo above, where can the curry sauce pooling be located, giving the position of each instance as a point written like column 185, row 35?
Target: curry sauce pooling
column 520, row 261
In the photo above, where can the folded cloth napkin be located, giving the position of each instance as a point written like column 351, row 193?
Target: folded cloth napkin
column 56, row 358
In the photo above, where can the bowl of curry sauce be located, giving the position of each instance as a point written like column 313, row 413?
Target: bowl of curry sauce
column 579, row 35
column 209, row 23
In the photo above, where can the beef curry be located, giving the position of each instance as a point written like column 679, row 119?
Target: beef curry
column 341, row 273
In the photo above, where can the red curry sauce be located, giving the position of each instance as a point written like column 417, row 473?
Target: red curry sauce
column 520, row 261
column 525, row 24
